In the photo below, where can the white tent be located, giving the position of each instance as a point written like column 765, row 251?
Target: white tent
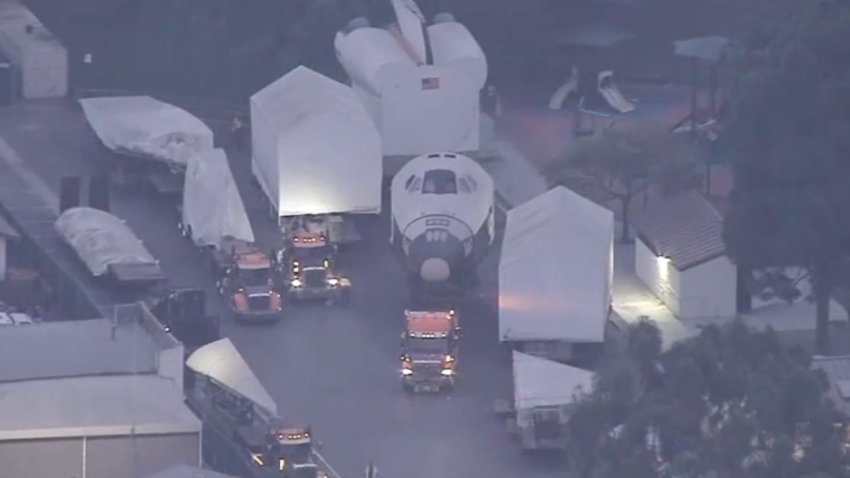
column 315, row 148
column 543, row 383
column 101, row 239
column 146, row 127
column 221, row 362
column 556, row 269
column 212, row 206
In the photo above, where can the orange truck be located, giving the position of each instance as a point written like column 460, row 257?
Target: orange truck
column 249, row 280
column 429, row 350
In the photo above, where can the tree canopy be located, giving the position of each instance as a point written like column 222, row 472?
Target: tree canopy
column 621, row 163
column 790, row 124
column 730, row 402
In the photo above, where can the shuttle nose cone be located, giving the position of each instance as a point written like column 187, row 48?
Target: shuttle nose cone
column 435, row 269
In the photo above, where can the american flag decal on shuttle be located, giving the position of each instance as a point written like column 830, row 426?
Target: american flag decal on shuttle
column 430, row 83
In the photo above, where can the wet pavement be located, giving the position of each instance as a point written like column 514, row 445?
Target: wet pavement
column 336, row 368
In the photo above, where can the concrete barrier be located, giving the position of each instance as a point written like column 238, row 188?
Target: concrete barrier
column 39, row 56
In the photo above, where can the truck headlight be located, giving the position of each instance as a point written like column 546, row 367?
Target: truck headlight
column 296, row 283
column 406, row 372
column 333, row 281
column 447, row 372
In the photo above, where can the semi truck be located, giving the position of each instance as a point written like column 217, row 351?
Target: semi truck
column 311, row 272
column 429, row 347
column 230, row 400
column 213, row 216
column 316, row 156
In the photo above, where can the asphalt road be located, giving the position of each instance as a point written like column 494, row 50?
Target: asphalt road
column 335, row 368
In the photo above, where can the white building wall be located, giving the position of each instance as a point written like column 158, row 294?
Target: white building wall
column 659, row 276
column 3, row 245
column 709, row 290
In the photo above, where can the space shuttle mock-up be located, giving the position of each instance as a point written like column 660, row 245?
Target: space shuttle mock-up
column 420, row 81
column 442, row 215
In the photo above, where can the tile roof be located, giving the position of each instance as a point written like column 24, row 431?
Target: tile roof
column 685, row 228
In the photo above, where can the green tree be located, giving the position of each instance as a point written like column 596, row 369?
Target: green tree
column 620, row 164
column 791, row 130
column 729, row 402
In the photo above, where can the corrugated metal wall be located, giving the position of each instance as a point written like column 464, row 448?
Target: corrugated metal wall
column 107, row 457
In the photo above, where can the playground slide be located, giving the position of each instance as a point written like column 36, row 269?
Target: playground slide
column 612, row 94
column 563, row 92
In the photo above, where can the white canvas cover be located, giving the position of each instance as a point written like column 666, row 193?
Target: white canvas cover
column 101, row 239
column 315, row 148
column 212, row 206
column 418, row 107
column 411, row 24
column 146, row 127
column 539, row 382
column 221, row 362
column 556, row 269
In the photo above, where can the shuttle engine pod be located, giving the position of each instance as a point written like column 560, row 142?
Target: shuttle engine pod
column 420, row 82
column 442, row 215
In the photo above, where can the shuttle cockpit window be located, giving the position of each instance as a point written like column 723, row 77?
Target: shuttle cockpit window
column 413, row 184
column 440, row 181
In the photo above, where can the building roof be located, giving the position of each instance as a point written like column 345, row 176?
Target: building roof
column 7, row 231
column 93, row 406
column 186, row 471
column 84, row 347
column 685, row 228
column 837, row 370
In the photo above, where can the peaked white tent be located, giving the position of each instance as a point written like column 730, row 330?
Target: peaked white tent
column 315, row 149
column 146, row 127
column 556, row 269
column 212, row 206
column 221, row 362
column 543, row 383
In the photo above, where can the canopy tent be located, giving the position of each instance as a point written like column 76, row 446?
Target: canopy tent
column 556, row 269
column 212, row 206
column 315, row 148
column 146, row 127
column 101, row 239
column 221, row 362
column 539, row 382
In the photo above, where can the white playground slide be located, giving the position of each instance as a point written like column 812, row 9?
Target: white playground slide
column 611, row 94
column 564, row 91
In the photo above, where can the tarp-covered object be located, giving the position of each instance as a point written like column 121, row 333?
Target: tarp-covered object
column 556, row 269
column 221, row 362
column 418, row 107
column 146, row 127
column 539, row 382
column 315, row 148
column 101, row 239
column 212, row 206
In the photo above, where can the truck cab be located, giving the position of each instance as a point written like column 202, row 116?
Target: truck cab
column 311, row 272
column 429, row 350
column 182, row 312
column 286, row 450
column 250, row 285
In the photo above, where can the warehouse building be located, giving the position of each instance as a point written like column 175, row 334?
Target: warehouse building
column 101, row 398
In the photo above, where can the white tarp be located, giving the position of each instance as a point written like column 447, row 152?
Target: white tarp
column 556, row 269
column 101, row 239
column 212, row 206
column 418, row 107
column 146, row 127
column 315, row 149
column 539, row 382
column 221, row 362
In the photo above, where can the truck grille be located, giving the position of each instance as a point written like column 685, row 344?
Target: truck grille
column 259, row 302
column 426, row 369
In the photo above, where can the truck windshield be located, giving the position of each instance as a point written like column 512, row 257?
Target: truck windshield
column 297, row 454
column 254, row 277
column 313, row 255
column 428, row 345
